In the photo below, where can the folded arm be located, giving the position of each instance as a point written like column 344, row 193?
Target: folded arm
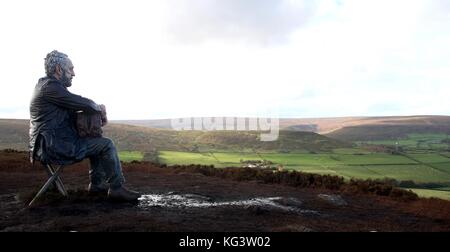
column 60, row 96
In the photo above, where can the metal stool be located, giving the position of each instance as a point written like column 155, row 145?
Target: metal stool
column 53, row 172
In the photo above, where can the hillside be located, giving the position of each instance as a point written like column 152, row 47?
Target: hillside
column 203, row 199
column 318, row 125
column 392, row 128
column 296, row 134
column 14, row 134
column 331, row 125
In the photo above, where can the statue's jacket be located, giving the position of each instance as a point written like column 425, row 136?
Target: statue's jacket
column 53, row 134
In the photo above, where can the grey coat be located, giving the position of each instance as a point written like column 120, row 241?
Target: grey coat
column 53, row 136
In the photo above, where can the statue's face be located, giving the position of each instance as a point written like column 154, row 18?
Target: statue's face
column 68, row 73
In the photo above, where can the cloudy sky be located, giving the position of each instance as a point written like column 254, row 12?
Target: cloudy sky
column 181, row 58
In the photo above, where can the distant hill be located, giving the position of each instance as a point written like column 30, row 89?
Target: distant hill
column 157, row 123
column 390, row 128
column 139, row 138
column 14, row 134
column 324, row 125
column 320, row 125
column 296, row 134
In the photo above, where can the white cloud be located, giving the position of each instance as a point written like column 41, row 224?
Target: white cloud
column 256, row 21
column 337, row 58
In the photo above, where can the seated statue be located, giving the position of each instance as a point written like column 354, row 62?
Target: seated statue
column 65, row 128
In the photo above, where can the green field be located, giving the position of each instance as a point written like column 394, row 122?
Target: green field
column 445, row 167
column 348, row 163
column 426, row 193
column 128, row 156
column 430, row 157
column 371, row 165
column 417, row 142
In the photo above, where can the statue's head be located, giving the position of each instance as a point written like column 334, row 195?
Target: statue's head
column 59, row 66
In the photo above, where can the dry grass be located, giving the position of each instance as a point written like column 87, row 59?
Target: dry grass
column 385, row 188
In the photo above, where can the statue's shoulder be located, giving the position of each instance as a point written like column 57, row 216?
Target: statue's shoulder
column 46, row 82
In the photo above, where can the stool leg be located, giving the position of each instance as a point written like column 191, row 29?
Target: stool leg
column 58, row 182
column 45, row 187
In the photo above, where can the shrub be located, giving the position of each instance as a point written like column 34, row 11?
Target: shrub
column 384, row 187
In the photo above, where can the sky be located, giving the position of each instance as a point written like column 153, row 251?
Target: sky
column 192, row 58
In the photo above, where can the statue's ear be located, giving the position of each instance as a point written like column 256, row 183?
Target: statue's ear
column 58, row 70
